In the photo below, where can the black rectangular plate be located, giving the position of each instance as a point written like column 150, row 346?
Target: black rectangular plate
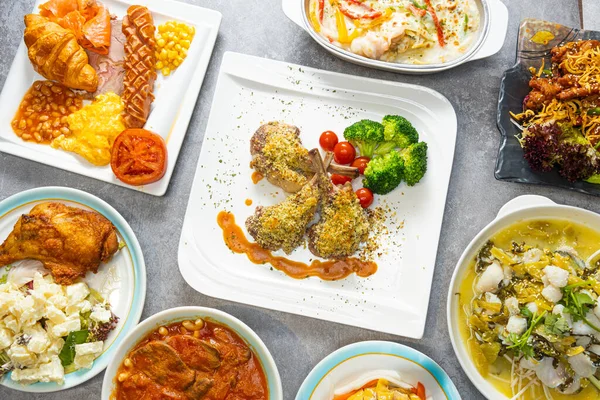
column 510, row 165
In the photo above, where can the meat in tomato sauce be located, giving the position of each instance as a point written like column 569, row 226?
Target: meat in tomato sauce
column 200, row 360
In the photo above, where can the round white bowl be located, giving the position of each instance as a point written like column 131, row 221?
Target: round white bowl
column 182, row 313
column 521, row 208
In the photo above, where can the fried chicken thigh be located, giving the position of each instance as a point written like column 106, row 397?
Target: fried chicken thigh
column 69, row 241
column 282, row 226
column 343, row 225
column 278, row 154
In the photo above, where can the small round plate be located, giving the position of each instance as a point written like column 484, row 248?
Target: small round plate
column 353, row 360
column 122, row 280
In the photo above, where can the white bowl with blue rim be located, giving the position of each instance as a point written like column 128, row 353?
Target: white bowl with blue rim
column 346, row 364
column 179, row 314
column 121, row 280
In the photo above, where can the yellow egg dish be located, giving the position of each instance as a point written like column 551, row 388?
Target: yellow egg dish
column 94, row 129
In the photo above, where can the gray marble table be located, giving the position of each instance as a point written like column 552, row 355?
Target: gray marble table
column 297, row 343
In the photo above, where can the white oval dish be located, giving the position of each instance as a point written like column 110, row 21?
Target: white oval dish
column 125, row 274
column 494, row 24
column 521, row 208
column 354, row 360
column 182, row 313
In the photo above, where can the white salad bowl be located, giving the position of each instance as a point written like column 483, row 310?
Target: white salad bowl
column 173, row 315
column 492, row 32
column 522, row 208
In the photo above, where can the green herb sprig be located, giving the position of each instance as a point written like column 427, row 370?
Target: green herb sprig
column 578, row 304
column 520, row 343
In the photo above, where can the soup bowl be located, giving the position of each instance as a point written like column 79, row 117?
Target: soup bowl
column 493, row 25
column 179, row 314
column 519, row 209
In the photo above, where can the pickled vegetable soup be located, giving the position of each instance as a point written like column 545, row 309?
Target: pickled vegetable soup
column 544, row 233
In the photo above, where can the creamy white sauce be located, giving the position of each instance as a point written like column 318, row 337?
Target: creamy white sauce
column 400, row 35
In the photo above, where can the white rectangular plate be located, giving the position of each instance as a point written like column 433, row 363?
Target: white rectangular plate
column 251, row 91
column 171, row 111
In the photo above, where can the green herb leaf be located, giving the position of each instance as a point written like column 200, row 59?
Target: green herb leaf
column 526, row 312
column 3, row 279
column 578, row 304
column 521, row 343
column 67, row 354
column 556, row 325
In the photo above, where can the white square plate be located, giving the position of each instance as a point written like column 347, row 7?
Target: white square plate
column 171, row 111
column 251, row 91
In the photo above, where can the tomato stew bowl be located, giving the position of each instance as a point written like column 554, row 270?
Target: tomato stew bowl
column 519, row 209
column 179, row 314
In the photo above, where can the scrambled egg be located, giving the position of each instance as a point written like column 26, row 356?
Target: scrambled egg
column 94, row 129
column 33, row 348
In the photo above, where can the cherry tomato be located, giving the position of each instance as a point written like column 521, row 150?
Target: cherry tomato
column 340, row 179
column 360, row 163
column 328, row 140
column 139, row 157
column 365, row 196
column 344, row 153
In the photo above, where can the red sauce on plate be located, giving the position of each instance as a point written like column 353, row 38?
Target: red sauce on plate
column 329, row 270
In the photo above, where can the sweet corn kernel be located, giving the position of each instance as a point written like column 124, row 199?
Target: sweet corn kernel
column 172, row 43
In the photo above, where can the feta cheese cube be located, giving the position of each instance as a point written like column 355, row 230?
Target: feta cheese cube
column 58, row 300
column 86, row 353
column 76, row 293
column 100, row 314
column 52, row 371
column 21, row 356
column 39, row 340
column 56, row 346
column 54, row 314
column 556, row 276
column 89, row 348
column 12, row 323
column 81, row 307
column 63, row 329
column 6, row 338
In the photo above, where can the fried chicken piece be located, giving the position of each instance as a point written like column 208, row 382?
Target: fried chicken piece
column 343, row 225
column 278, row 154
column 69, row 241
column 282, row 226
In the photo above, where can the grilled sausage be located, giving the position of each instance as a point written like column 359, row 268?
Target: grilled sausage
column 140, row 59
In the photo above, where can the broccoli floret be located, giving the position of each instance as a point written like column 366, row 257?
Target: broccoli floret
column 415, row 162
column 366, row 135
column 383, row 174
column 399, row 131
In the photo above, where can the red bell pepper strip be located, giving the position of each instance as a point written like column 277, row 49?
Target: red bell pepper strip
column 436, row 21
column 321, row 10
column 420, row 391
column 369, row 13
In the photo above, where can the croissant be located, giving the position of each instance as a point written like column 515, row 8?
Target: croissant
column 56, row 55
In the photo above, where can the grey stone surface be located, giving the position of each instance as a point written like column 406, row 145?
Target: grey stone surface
column 297, row 343
column 590, row 14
